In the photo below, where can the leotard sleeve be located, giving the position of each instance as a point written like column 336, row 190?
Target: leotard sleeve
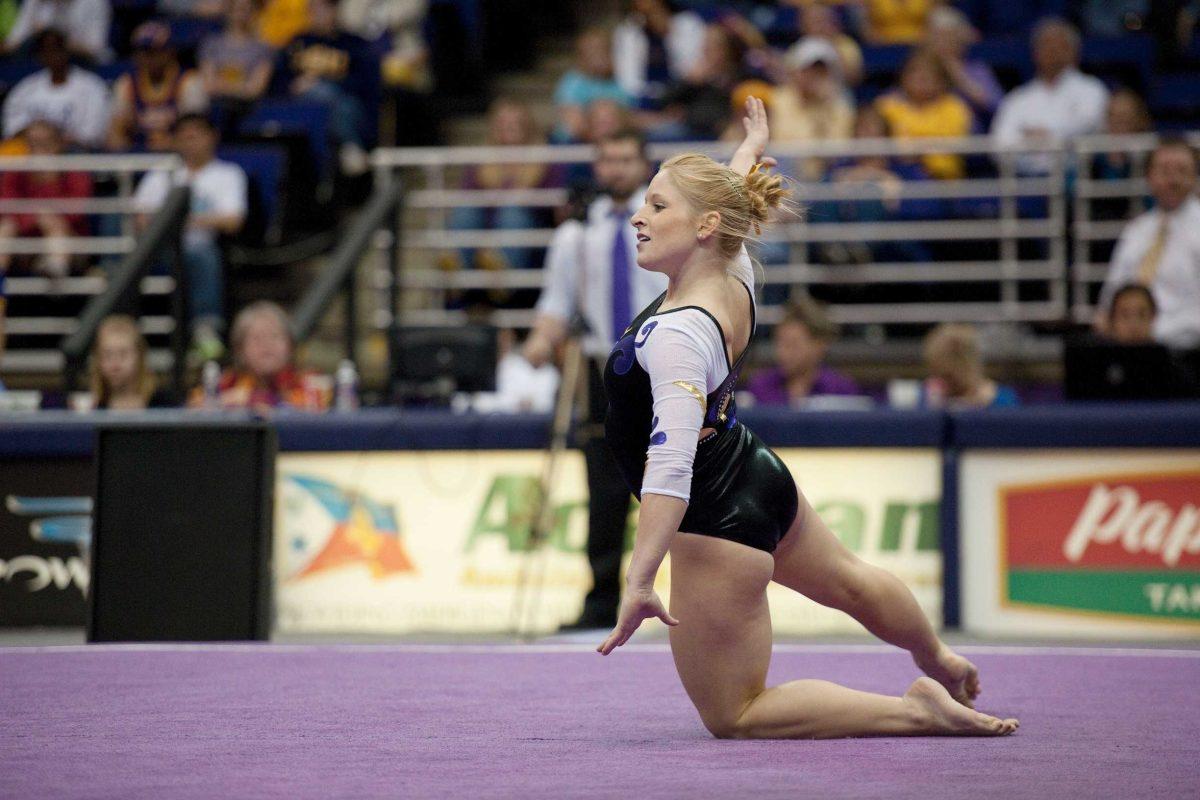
column 684, row 355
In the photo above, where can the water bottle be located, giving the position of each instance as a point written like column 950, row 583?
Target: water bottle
column 346, row 393
column 210, row 380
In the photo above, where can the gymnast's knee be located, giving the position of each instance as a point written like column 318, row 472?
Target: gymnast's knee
column 728, row 723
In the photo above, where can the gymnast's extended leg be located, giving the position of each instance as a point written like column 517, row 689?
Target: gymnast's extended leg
column 722, row 648
column 812, row 561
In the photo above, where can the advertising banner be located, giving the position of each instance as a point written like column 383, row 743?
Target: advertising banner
column 395, row 542
column 1082, row 542
column 45, row 508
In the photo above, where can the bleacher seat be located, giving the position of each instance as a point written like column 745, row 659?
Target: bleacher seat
column 287, row 117
column 265, row 167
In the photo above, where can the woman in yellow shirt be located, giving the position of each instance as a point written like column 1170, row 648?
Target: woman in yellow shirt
column 925, row 107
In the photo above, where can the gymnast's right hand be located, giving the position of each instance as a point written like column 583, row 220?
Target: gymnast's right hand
column 636, row 606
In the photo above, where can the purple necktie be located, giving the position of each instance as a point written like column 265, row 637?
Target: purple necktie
column 622, row 314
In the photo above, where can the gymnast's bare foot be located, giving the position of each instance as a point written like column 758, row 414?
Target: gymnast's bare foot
column 959, row 676
column 937, row 713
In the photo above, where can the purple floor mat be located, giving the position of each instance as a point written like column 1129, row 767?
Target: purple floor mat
column 413, row 722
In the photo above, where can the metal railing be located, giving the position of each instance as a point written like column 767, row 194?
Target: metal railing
column 118, row 175
column 381, row 215
column 1094, row 238
column 996, row 244
column 162, row 237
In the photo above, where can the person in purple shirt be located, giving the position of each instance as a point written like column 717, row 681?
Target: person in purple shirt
column 800, row 341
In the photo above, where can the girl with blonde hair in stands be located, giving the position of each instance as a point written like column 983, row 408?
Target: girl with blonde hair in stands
column 725, row 506
column 119, row 377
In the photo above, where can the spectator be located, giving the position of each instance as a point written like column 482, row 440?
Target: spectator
column 888, row 175
column 948, row 35
column 119, row 377
column 235, row 64
column 281, row 20
column 85, row 23
column 1126, row 115
column 956, row 376
column 72, row 98
column 1057, row 105
column 821, row 21
column 1131, row 315
column 510, row 124
column 800, row 342
column 897, row 21
column 589, row 80
column 148, row 100
column 699, row 107
column 1161, row 248
column 218, row 208
column 264, row 375
column 44, row 139
column 654, row 45
column 398, row 26
column 813, row 104
column 602, row 118
column 331, row 67
column 924, row 107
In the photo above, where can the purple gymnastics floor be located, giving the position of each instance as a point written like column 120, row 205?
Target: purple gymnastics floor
column 290, row 721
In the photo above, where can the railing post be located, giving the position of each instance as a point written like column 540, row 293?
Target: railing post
column 1057, row 250
column 395, row 265
column 180, row 308
column 349, row 331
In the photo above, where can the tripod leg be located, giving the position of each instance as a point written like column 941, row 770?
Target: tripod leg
column 543, row 517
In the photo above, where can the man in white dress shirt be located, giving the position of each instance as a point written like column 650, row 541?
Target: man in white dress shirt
column 591, row 272
column 1059, row 103
column 1161, row 248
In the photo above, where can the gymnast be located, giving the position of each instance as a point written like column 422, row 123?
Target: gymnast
column 725, row 506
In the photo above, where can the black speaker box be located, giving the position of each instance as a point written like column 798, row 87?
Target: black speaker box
column 181, row 536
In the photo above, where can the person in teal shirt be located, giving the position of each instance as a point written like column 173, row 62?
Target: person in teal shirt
column 591, row 79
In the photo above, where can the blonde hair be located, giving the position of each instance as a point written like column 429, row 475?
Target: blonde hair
column 743, row 202
column 146, row 382
column 958, row 342
column 813, row 315
column 246, row 317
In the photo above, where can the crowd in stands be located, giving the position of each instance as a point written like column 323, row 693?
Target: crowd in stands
column 194, row 76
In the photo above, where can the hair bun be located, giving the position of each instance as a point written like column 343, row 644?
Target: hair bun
column 765, row 191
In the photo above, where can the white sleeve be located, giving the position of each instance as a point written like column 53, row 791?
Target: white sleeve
column 16, row 109
column 629, row 58
column 94, row 114
column 1006, row 130
column 23, row 26
column 685, row 43
column 151, row 192
column 231, row 200
column 682, row 354
column 93, row 20
column 562, row 272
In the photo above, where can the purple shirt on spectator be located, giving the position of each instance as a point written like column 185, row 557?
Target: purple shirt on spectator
column 769, row 386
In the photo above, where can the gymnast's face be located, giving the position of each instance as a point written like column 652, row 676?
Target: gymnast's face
column 667, row 226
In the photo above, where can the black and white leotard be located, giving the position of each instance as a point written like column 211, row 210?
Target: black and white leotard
column 668, row 377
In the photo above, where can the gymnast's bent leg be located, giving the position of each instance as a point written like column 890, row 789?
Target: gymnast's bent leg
column 812, row 561
column 722, row 648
